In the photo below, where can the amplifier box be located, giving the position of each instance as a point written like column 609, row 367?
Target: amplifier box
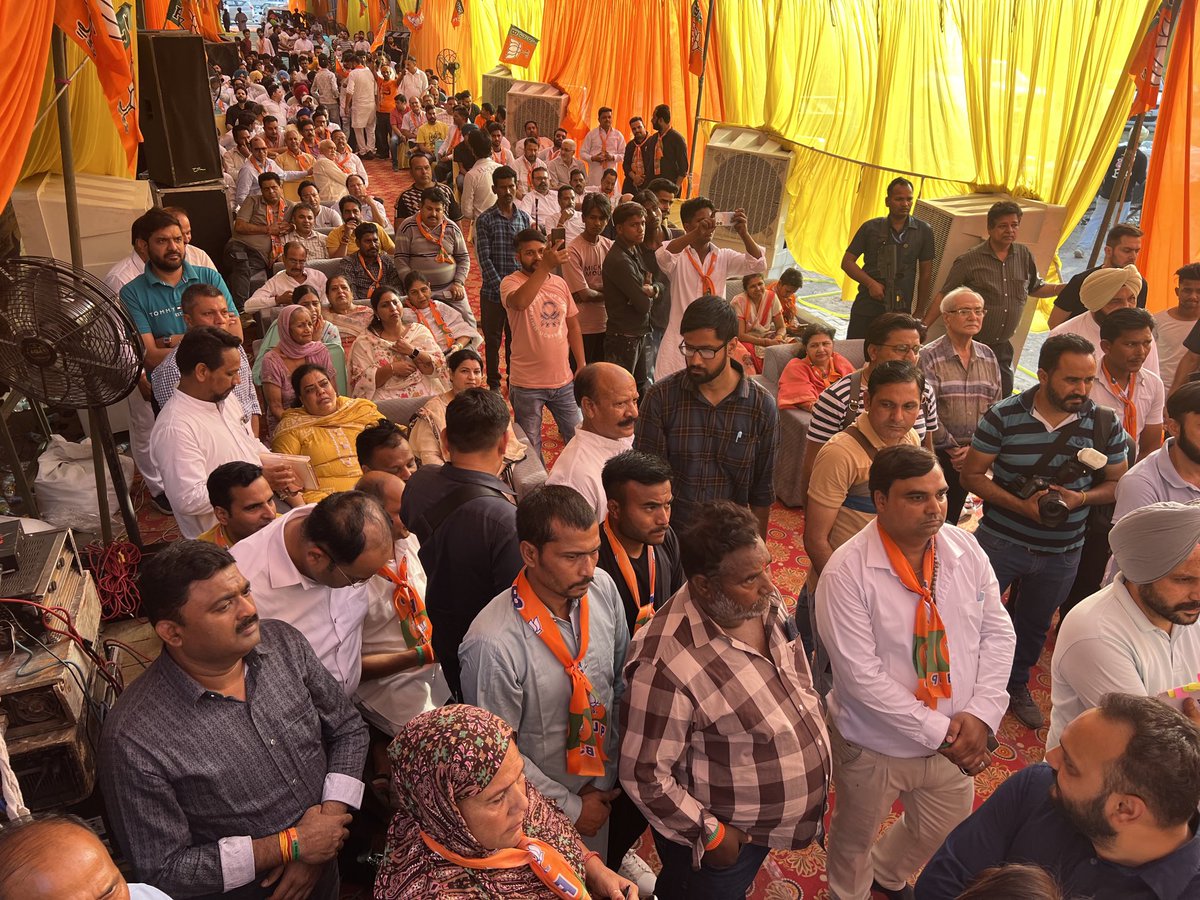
column 11, row 534
column 55, row 768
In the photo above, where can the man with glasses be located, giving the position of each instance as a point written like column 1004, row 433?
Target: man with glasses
column 965, row 377
column 310, row 568
column 890, row 336
column 258, row 164
column 714, row 425
column 278, row 289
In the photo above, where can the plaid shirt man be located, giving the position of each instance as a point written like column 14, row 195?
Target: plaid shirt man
column 714, row 732
column 494, row 234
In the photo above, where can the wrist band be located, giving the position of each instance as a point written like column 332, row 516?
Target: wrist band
column 1083, row 502
column 294, row 839
column 591, row 855
column 420, row 654
column 715, row 837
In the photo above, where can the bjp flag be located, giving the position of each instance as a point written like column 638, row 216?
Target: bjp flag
column 518, row 47
column 379, row 36
column 415, row 19
column 456, row 16
column 696, row 44
column 104, row 32
column 1146, row 68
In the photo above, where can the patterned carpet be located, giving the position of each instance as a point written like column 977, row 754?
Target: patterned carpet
column 786, row 875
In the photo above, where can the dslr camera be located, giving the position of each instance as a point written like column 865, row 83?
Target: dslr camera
column 1051, row 507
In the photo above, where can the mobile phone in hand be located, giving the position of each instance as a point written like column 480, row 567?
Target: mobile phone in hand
column 557, row 235
column 725, row 218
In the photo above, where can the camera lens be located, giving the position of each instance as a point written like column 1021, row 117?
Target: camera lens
column 1052, row 509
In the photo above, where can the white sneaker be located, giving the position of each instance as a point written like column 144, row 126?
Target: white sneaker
column 639, row 872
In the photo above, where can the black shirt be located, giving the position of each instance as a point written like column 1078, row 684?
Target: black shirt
column 624, row 272
column 674, row 162
column 472, row 556
column 883, row 249
column 668, row 573
column 1069, row 298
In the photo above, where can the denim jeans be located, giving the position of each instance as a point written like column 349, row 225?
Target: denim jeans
column 1045, row 580
column 677, row 881
column 528, row 403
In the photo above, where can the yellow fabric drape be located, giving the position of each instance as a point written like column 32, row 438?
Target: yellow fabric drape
column 358, row 16
column 579, row 48
column 977, row 95
column 27, row 25
column 438, row 34
column 1172, row 198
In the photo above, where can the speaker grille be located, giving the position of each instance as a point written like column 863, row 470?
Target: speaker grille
column 748, row 169
column 543, row 103
column 496, row 84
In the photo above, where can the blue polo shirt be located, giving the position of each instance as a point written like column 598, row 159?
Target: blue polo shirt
column 1019, row 823
column 1010, row 432
column 154, row 304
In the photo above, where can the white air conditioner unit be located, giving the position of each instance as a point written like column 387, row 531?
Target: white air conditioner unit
column 959, row 223
column 748, row 169
column 543, row 103
column 496, row 83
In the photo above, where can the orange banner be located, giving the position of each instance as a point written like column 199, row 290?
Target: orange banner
column 104, row 32
column 518, row 47
column 379, row 36
column 696, row 40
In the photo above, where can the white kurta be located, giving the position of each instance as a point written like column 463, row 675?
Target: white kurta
column 360, row 89
column 611, row 142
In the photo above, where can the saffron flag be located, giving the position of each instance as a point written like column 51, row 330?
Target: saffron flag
column 414, row 20
column 696, row 48
column 379, row 35
column 104, row 33
column 459, row 9
column 518, row 47
column 1147, row 65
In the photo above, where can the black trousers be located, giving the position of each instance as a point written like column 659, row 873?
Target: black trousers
column 1004, row 356
column 495, row 330
column 632, row 353
column 625, row 825
column 1093, row 560
column 241, row 261
column 956, row 494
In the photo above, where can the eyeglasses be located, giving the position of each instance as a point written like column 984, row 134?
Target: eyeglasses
column 689, row 351
column 350, row 582
column 904, row 349
column 968, row 311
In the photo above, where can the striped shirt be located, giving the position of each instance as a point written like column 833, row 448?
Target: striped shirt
column 416, row 252
column 830, row 410
column 722, row 452
column 1017, row 439
column 963, row 394
column 1003, row 285
column 713, row 731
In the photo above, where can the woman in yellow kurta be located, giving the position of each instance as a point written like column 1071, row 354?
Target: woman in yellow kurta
column 324, row 428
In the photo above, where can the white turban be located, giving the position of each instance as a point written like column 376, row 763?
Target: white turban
column 1152, row 540
column 1099, row 288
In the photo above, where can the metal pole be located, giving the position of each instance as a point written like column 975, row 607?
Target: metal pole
column 98, row 461
column 1119, row 185
column 700, row 93
column 58, row 44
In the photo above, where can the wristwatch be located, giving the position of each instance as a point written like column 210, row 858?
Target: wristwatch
column 416, row 352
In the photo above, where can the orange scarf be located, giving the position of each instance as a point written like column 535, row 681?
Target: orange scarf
column 587, row 717
column 638, row 163
column 272, row 216
column 550, row 866
column 706, row 282
column 410, row 609
column 1130, row 416
column 658, row 155
column 931, row 650
column 441, row 323
column 442, row 255
column 645, row 610
column 377, row 277
column 343, row 161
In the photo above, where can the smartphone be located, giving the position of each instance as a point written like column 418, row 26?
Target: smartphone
column 557, row 235
column 725, row 218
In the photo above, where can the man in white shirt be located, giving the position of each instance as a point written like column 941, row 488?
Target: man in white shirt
column 551, row 150
column 1138, row 635
column 1173, row 471
column 900, row 606
column 524, row 166
column 698, row 267
column 203, row 426
column 560, row 168
column 608, row 397
column 361, row 44
column 603, row 147
column 277, row 291
column 1104, row 292
column 327, row 217
column 400, row 678
column 371, row 209
column 325, row 88
column 1124, row 384
column 413, row 83
column 1177, row 322
column 259, row 163
column 233, row 160
column 348, row 161
column 540, row 203
column 311, row 568
column 358, row 95
column 477, row 193
column 302, row 44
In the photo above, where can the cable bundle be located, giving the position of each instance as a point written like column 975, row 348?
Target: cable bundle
column 114, row 567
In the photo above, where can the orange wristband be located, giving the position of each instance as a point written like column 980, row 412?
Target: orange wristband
column 714, row 839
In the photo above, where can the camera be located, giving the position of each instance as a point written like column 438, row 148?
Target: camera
column 1051, row 507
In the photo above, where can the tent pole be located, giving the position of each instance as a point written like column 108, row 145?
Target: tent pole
column 58, row 44
column 712, row 4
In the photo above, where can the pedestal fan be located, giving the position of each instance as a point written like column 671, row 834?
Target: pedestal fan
column 447, row 68
column 66, row 341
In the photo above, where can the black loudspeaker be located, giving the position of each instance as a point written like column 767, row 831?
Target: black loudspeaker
column 208, row 213
column 223, row 54
column 176, row 109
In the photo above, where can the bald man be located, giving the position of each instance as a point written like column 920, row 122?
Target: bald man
column 400, row 678
column 608, row 397
column 59, row 858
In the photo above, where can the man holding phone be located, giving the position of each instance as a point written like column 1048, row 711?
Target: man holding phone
column 899, row 606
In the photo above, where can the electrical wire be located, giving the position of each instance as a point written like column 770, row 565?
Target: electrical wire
column 102, row 665
column 114, row 567
column 140, row 658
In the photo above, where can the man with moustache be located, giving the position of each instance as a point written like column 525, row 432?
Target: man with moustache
column 634, row 163
column 909, row 612
column 1175, row 324
column 1033, row 434
column 546, row 656
column 242, row 501
column 607, row 396
column 723, row 747
column 1137, row 635
column 1171, row 472
column 1102, row 293
column 714, row 425
column 266, row 820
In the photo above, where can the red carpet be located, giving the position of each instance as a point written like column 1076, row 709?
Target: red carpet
column 786, row 875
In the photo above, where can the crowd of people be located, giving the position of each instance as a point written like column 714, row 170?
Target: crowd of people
column 369, row 609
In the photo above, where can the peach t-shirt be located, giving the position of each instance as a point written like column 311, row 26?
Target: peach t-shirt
column 539, row 334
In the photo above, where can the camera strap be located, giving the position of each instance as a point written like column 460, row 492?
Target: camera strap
column 1060, row 445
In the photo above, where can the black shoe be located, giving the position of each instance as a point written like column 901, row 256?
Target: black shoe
column 904, row 893
column 162, row 504
column 1021, row 705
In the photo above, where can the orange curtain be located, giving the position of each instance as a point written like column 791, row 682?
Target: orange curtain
column 26, row 28
column 627, row 54
column 438, row 34
column 156, row 14
column 1172, row 197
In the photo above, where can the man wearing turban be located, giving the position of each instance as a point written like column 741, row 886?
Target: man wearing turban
column 1138, row 635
